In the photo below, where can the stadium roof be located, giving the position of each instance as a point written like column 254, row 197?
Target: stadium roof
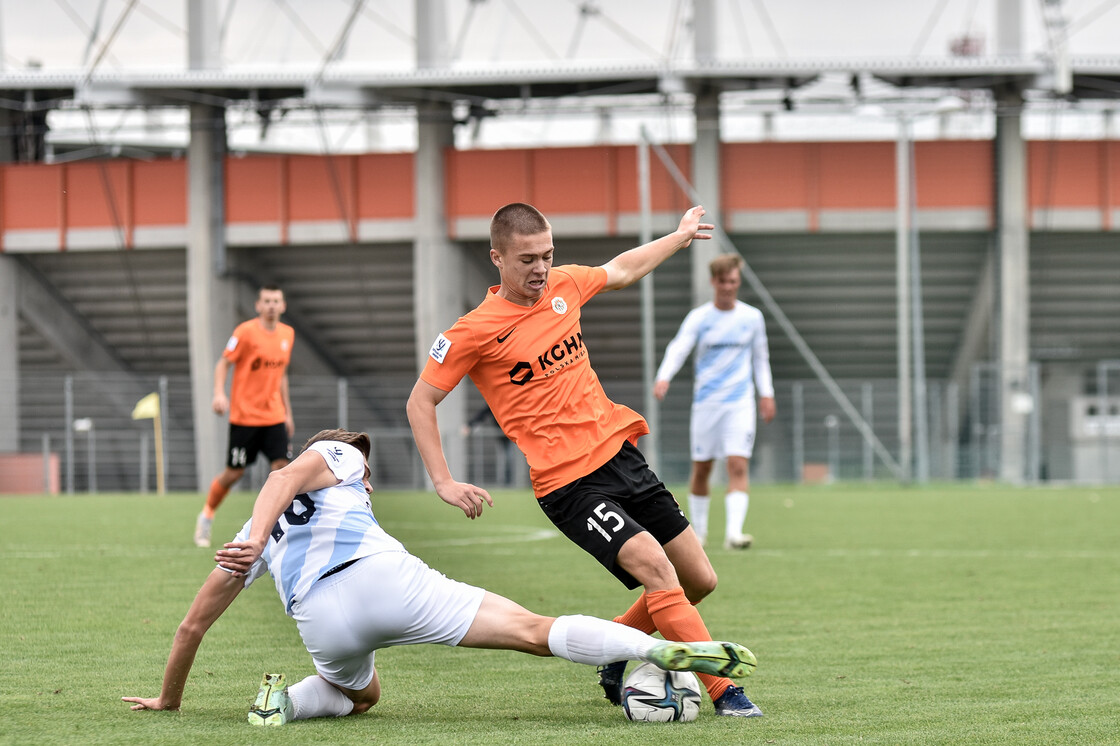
column 342, row 86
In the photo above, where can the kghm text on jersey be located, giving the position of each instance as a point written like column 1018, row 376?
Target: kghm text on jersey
column 566, row 349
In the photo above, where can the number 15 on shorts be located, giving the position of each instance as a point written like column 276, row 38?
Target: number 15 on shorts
column 603, row 520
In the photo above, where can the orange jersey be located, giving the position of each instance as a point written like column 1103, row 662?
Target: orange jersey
column 260, row 359
column 531, row 366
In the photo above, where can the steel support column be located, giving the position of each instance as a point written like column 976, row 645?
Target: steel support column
column 438, row 267
column 210, row 294
column 1016, row 402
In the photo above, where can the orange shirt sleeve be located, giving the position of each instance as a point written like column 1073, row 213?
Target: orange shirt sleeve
column 451, row 357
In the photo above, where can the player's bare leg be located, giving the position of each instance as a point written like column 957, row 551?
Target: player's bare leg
column 219, row 488
column 693, row 568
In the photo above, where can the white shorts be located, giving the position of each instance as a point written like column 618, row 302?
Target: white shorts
column 721, row 430
column 386, row 599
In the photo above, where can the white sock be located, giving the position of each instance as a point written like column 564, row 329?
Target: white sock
column 594, row 641
column 314, row 698
column 698, row 513
column 737, row 503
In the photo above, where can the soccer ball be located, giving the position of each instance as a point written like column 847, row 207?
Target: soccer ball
column 654, row 696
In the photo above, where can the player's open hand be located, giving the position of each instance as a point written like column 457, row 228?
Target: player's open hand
column 141, row 703
column 466, row 497
column 691, row 227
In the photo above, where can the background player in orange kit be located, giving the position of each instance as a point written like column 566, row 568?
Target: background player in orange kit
column 523, row 348
column 260, row 410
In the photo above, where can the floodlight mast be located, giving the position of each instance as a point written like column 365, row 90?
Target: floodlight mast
column 1057, row 33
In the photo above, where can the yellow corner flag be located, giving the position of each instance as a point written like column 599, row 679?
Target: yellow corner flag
column 146, row 408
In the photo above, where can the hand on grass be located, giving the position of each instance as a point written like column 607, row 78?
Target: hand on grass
column 155, row 703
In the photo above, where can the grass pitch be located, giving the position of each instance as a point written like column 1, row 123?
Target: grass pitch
column 940, row 615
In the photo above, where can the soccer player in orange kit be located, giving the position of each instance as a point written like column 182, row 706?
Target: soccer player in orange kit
column 523, row 347
column 260, row 409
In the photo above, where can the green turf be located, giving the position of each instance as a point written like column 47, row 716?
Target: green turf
column 880, row 615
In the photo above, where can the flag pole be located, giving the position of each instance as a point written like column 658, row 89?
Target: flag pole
column 161, row 482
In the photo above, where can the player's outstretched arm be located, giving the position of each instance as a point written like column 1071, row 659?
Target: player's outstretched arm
column 421, row 409
column 215, row 596
column 630, row 266
column 309, row 472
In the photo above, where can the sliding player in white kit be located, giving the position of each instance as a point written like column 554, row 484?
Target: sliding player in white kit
column 732, row 362
column 353, row 589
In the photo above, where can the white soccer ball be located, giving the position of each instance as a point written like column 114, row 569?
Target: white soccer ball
column 654, row 696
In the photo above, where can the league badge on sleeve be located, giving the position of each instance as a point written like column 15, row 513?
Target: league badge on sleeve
column 439, row 349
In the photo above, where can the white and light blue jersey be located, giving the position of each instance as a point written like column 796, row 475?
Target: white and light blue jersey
column 732, row 356
column 321, row 529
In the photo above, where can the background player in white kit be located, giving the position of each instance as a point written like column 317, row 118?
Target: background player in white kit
column 353, row 589
column 732, row 363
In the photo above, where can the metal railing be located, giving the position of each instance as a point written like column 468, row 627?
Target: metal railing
column 81, row 427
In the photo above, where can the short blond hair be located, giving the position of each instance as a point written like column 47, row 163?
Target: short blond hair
column 515, row 219
column 724, row 263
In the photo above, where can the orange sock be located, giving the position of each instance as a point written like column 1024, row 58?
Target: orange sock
column 637, row 616
column 214, row 498
column 677, row 619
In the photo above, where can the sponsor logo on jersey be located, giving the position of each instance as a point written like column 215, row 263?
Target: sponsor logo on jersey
column 261, row 362
column 503, row 337
column 521, row 374
column 567, row 350
column 231, row 345
column 551, row 361
column 439, row 349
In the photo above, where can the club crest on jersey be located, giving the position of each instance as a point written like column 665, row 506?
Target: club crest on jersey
column 439, row 349
column 559, row 305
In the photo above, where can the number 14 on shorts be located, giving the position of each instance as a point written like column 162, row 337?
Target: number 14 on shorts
column 605, row 519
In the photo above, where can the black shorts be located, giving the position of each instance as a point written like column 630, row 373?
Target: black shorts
column 620, row 499
column 246, row 442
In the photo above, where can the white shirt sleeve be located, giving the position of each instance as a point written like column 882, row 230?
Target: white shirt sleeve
column 679, row 347
column 344, row 460
column 760, row 362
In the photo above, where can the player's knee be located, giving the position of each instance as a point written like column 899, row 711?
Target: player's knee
column 363, row 706
column 658, row 576
column 230, row 476
column 365, row 700
column 536, row 637
column 709, row 583
column 698, row 588
column 528, row 632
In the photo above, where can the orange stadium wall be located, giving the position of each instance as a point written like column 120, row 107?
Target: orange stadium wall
column 298, row 199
